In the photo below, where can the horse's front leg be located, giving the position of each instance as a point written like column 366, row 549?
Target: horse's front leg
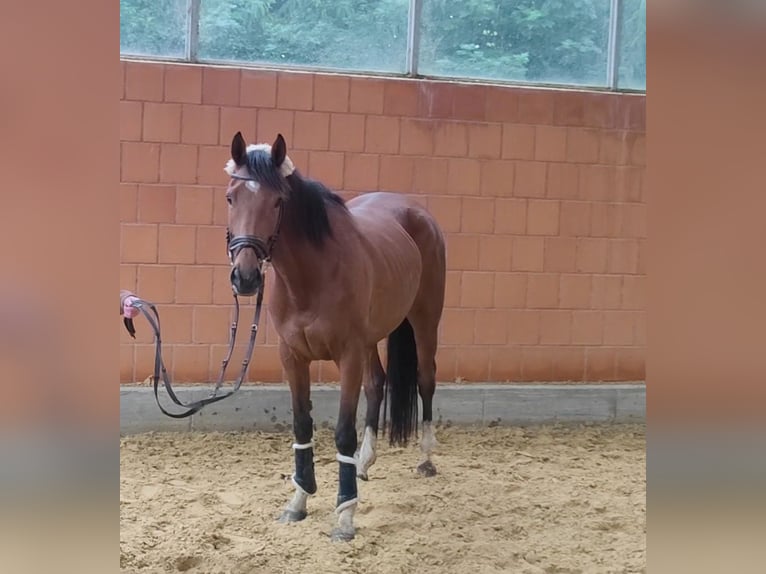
column 351, row 368
column 303, row 426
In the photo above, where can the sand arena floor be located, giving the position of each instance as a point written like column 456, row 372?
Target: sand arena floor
column 520, row 501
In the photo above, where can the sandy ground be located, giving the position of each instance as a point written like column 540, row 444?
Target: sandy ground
column 551, row 499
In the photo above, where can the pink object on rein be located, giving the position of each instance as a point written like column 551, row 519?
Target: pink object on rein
column 127, row 307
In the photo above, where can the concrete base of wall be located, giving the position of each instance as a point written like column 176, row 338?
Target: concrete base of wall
column 268, row 407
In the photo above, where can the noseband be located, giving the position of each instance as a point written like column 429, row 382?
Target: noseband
column 263, row 249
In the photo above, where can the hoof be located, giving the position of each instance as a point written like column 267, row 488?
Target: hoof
column 427, row 469
column 291, row 516
column 338, row 535
column 362, row 475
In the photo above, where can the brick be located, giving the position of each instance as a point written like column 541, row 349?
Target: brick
column 555, row 327
column 597, row 182
column 640, row 318
column 634, row 292
column 518, row 142
column 327, row 167
column 607, row 292
column 130, row 120
column 436, row 100
column 504, row 364
column 562, row 182
column 472, row 363
column 347, row 132
column 127, row 360
column 560, row 254
column 457, row 327
column 156, row 203
column 530, row 179
column 495, row 253
column 568, row 364
column 176, row 243
column 191, row 363
column 447, row 211
column 295, row 91
column 637, row 150
column 629, row 184
column 510, row 290
column 157, row 283
column 511, row 216
column 631, row 112
column 613, row 148
column 396, row 173
column 361, row 172
column 485, row 141
column 430, row 175
column 128, row 277
column 630, row 364
column 451, row 139
column 222, row 294
column 211, row 324
column 138, row 243
column 491, row 327
column 550, row 143
column 220, row 86
column 582, row 145
column 592, row 255
column 144, row 359
column 536, row 364
column 601, row 110
column 140, row 162
column 477, row 215
column 328, row 372
column 497, row 178
column 194, row 205
column 273, row 122
column 210, row 163
column 452, row 289
column 312, row 130
column 128, row 203
column 501, row 104
column 542, row 217
column 523, row 327
column 462, row 252
column 211, row 246
column 633, row 220
column 366, row 96
column 574, row 219
column 162, row 122
column 618, row 328
column 144, row 81
column 416, row 137
column 381, row 135
column 258, row 89
column 469, row 101
column 535, row 107
column 477, row 290
column 331, row 93
column 183, row 84
column 220, row 207
column 194, row 285
column 575, row 291
column 201, row 124
column 623, row 256
column 269, row 365
column 233, row 120
column 463, row 176
column 178, row 163
column 587, row 327
column 400, row 98
column 527, row 254
column 569, row 108
column 543, row 291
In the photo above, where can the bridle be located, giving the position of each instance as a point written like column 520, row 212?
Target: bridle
column 234, row 244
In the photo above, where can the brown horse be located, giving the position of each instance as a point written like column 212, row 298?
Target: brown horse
column 347, row 275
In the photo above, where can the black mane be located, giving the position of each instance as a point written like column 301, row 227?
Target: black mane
column 306, row 200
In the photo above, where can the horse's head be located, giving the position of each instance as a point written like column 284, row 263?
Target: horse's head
column 256, row 195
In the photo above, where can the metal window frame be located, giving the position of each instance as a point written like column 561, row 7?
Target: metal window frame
column 191, row 55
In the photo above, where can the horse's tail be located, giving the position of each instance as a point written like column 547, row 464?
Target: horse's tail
column 402, row 383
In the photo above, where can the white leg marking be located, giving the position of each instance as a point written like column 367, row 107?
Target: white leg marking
column 367, row 454
column 300, row 498
column 428, row 442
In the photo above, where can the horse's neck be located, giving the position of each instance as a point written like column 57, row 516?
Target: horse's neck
column 298, row 272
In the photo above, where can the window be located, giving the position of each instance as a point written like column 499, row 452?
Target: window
column 153, row 28
column 631, row 72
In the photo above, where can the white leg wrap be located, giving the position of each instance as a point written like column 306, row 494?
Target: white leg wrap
column 428, row 442
column 346, row 459
column 300, row 498
column 367, row 454
column 297, row 446
column 349, row 505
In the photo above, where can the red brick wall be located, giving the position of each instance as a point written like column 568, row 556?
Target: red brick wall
column 539, row 192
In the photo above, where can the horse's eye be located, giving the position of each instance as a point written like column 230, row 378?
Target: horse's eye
column 228, row 199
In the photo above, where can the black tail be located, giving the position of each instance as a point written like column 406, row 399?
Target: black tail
column 402, row 384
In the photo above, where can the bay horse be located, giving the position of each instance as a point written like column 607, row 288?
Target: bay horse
column 347, row 276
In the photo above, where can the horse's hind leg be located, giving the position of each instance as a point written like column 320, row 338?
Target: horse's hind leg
column 373, row 390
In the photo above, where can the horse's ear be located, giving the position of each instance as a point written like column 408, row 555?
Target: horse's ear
column 278, row 151
column 238, row 149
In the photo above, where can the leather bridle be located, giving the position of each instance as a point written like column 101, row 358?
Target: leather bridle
column 234, row 244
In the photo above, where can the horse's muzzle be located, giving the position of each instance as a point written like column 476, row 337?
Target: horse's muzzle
column 246, row 282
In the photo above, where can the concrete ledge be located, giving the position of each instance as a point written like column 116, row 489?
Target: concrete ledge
column 268, row 407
